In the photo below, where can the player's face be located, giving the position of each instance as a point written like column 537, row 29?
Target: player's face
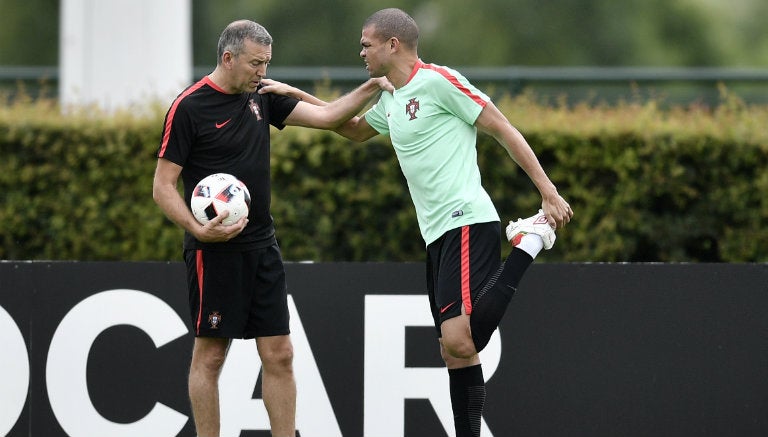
column 374, row 52
column 250, row 66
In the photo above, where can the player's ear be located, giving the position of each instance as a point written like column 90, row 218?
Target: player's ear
column 227, row 58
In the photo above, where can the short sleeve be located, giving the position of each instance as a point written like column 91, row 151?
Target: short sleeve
column 376, row 117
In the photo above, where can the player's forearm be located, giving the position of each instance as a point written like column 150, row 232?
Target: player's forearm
column 356, row 130
column 306, row 97
column 542, row 182
column 273, row 86
column 349, row 105
column 521, row 152
column 174, row 207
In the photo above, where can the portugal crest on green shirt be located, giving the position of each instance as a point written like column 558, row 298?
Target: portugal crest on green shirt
column 411, row 107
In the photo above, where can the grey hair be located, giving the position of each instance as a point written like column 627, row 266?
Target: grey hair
column 233, row 37
column 393, row 22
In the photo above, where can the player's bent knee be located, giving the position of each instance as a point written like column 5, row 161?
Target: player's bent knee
column 456, row 338
column 457, row 348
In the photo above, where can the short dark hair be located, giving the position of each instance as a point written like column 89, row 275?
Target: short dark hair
column 234, row 35
column 393, row 22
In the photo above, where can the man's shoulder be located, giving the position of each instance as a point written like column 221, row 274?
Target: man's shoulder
column 440, row 72
column 193, row 96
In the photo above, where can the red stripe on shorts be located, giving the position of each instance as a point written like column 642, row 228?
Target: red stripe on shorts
column 199, row 256
column 466, row 296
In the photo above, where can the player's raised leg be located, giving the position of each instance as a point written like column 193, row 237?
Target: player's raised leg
column 527, row 236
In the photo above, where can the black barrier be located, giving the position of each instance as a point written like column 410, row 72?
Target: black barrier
column 615, row 350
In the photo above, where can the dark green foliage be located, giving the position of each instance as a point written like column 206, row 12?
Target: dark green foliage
column 334, row 200
column 81, row 189
column 680, row 185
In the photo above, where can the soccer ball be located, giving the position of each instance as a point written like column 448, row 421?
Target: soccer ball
column 217, row 193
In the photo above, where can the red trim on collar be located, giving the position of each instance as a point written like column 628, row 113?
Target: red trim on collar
column 416, row 68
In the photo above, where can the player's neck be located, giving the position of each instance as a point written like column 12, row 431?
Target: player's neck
column 219, row 80
column 401, row 73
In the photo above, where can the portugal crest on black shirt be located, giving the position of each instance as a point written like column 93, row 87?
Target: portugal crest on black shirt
column 255, row 109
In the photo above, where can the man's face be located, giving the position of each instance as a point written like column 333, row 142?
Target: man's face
column 249, row 67
column 374, row 52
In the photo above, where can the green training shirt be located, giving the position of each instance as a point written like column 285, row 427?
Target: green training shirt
column 430, row 121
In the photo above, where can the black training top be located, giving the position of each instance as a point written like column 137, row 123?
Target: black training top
column 208, row 131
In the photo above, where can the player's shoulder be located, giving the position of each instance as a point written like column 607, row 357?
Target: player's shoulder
column 191, row 94
column 441, row 72
column 441, row 79
column 447, row 81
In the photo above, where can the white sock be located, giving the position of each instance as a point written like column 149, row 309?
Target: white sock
column 531, row 244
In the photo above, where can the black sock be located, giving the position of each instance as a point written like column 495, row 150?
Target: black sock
column 467, row 399
column 491, row 303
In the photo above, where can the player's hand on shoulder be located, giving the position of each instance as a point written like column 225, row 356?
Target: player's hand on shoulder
column 273, row 86
column 216, row 232
column 383, row 83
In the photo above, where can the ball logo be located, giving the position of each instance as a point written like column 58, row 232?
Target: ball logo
column 203, row 191
column 228, row 193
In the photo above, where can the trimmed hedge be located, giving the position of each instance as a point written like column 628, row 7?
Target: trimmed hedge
column 646, row 183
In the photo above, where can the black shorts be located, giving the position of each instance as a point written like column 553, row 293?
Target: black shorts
column 459, row 264
column 237, row 294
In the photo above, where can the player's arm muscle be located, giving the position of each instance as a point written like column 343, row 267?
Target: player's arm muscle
column 357, row 129
column 334, row 114
column 166, row 194
column 494, row 123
